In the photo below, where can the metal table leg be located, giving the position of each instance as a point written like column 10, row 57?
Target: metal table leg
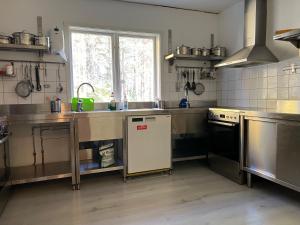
column 76, row 154
column 72, row 153
column 249, row 180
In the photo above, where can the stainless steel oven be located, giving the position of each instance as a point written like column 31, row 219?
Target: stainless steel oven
column 4, row 164
column 224, row 141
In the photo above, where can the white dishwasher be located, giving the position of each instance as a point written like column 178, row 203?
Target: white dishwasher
column 148, row 144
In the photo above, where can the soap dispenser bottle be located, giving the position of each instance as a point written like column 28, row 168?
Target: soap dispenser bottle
column 112, row 104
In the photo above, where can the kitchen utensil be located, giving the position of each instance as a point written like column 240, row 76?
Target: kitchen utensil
column 219, row 51
column 199, row 74
column 30, row 78
column 193, row 83
column 5, row 39
column 213, row 74
column 188, row 84
column 59, row 88
column 42, row 41
column 178, row 81
column 23, row 38
column 183, row 75
column 23, row 88
column 203, row 73
column 205, row 51
column 199, row 89
column 183, row 50
column 45, row 71
column 27, row 77
column 37, row 77
column 196, row 51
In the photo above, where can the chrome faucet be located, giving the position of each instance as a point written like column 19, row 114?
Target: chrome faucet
column 79, row 103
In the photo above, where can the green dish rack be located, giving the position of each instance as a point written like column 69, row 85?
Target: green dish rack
column 88, row 104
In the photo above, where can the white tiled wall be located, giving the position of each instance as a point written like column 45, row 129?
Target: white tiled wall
column 8, row 84
column 258, row 87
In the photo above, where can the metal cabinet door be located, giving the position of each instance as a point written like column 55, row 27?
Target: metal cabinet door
column 288, row 152
column 261, row 147
column 100, row 128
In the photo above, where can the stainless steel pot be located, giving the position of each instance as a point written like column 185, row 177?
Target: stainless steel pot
column 205, row 52
column 42, row 41
column 219, row 51
column 23, row 38
column 196, row 51
column 5, row 39
column 183, row 50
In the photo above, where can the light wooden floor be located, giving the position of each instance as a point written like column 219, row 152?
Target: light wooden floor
column 194, row 195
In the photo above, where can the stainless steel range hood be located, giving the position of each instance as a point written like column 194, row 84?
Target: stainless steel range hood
column 255, row 51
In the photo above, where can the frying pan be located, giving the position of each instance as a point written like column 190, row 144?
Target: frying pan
column 199, row 89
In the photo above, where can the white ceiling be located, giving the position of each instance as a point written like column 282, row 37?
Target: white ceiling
column 215, row 6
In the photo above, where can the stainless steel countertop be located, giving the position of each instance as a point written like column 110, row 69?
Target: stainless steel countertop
column 271, row 114
column 68, row 116
column 278, row 114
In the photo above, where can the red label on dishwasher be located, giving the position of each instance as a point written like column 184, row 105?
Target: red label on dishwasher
column 141, row 127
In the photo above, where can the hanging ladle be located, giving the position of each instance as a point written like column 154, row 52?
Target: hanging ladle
column 188, row 84
column 59, row 88
column 193, row 84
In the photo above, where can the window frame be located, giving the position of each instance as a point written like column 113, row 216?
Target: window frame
column 116, row 75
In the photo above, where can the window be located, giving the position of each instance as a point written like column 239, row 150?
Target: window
column 119, row 62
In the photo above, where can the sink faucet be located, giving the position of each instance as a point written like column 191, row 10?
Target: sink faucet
column 79, row 103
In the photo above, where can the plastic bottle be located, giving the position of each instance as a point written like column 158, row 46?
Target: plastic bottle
column 125, row 103
column 112, row 104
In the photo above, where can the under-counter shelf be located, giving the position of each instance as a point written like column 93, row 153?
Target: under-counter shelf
column 92, row 166
column 28, row 48
column 49, row 171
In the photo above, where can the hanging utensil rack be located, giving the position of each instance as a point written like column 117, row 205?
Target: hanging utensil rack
column 189, row 67
column 31, row 61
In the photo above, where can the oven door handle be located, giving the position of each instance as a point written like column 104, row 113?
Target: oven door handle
column 222, row 123
column 3, row 140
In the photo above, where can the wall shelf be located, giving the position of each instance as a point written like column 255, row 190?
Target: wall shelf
column 172, row 57
column 27, row 48
column 292, row 36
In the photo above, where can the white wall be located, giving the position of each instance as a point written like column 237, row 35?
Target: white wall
column 190, row 28
column 231, row 28
column 262, row 86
